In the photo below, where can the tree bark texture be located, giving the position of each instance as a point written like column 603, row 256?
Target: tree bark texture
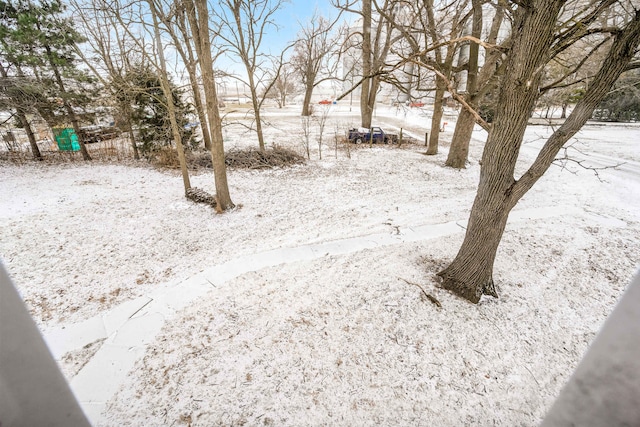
column 200, row 109
column 223, row 198
column 365, row 110
column 306, row 103
column 200, row 105
column 470, row 273
column 434, row 137
column 459, row 151
column 32, row 139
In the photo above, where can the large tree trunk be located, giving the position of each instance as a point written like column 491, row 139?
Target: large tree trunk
column 434, row 137
column 459, row 151
column 470, row 273
column 223, row 198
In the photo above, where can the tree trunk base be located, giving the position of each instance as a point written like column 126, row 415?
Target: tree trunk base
column 470, row 291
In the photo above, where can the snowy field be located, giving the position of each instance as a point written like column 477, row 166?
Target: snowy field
column 317, row 324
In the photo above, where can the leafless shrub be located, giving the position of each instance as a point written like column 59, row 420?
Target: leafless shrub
column 252, row 158
column 166, row 157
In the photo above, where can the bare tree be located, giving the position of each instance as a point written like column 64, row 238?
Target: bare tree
column 166, row 88
column 134, row 22
column 305, row 122
column 243, row 25
column 374, row 41
column 430, row 40
column 111, row 58
column 321, row 120
column 13, row 95
column 178, row 24
column 478, row 83
column 535, row 41
column 316, row 55
column 283, row 85
column 201, row 28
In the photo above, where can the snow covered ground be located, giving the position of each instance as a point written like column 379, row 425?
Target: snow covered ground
column 337, row 337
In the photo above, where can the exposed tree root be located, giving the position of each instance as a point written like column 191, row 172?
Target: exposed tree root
column 429, row 296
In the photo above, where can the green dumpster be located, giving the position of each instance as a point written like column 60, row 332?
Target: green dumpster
column 66, row 139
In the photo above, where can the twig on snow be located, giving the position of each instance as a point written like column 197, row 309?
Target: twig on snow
column 429, row 296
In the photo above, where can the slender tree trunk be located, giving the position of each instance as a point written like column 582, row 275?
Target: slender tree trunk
column 306, row 103
column 67, row 106
column 223, row 198
column 22, row 116
column 171, row 108
column 256, row 111
column 200, row 105
column 126, row 108
column 76, row 128
column 200, row 109
column 365, row 87
column 434, row 137
column 136, row 152
column 32, row 139
column 459, row 151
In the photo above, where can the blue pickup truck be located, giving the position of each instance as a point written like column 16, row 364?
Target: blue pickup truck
column 374, row 135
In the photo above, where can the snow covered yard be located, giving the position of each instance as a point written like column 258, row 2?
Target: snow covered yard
column 342, row 338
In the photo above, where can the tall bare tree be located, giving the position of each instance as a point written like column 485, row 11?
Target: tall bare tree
column 200, row 27
column 427, row 41
column 316, row 55
column 14, row 96
column 177, row 23
column 243, row 25
column 541, row 28
column 110, row 57
column 284, row 85
column 374, row 41
column 166, row 88
column 479, row 80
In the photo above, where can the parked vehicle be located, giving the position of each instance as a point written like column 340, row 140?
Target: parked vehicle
column 93, row 134
column 374, row 135
column 325, row 102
